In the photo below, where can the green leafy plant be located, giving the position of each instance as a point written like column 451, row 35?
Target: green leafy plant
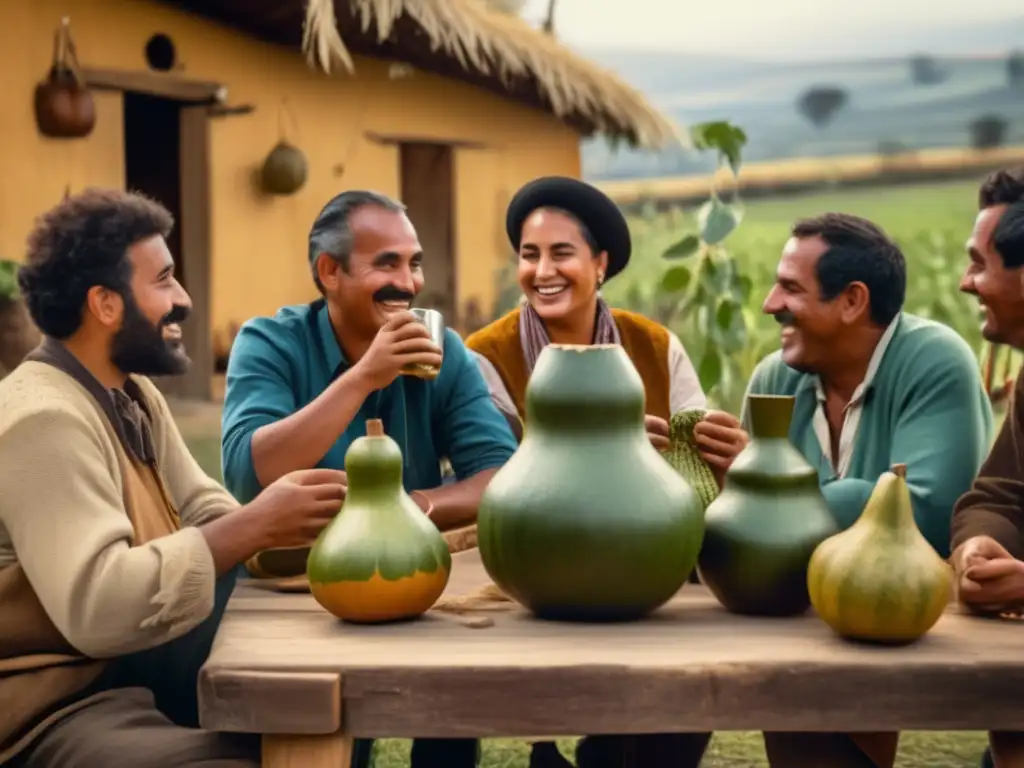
column 9, row 291
column 704, row 281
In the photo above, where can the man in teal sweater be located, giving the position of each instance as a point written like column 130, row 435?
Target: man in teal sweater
column 874, row 386
column 302, row 384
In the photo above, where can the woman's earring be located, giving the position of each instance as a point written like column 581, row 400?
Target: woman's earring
column 600, row 278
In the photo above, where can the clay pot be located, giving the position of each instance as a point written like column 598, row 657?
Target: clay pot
column 64, row 107
column 64, row 110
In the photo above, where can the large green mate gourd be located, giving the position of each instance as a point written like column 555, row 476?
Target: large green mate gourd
column 880, row 580
column 587, row 521
column 764, row 526
column 380, row 559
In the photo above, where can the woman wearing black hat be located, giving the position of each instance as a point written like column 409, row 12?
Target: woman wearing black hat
column 571, row 238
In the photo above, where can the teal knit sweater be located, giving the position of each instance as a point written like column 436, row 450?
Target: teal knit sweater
column 926, row 407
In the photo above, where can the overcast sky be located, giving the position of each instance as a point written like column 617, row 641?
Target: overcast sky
column 758, row 28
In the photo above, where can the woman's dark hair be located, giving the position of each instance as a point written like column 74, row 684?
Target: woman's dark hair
column 82, row 242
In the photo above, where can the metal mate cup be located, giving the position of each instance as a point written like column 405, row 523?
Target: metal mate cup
column 434, row 321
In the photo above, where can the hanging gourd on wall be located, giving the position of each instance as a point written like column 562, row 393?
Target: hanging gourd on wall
column 284, row 169
column 64, row 106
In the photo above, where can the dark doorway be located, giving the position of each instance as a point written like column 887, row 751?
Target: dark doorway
column 166, row 157
column 428, row 190
column 152, row 159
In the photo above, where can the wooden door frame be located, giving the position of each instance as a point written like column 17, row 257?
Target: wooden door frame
column 454, row 316
column 199, row 100
column 456, row 145
column 166, row 86
column 196, row 246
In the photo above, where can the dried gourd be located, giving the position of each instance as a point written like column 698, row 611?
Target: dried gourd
column 880, row 580
column 380, row 559
column 285, row 170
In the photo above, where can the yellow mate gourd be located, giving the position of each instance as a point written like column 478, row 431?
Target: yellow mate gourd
column 380, row 559
column 880, row 580
column 684, row 455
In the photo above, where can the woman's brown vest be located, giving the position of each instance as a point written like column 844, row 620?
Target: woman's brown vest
column 645, row 341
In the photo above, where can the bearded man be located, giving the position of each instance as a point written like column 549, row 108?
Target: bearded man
column 874, row 386
column 117, row 552
column 301, row 385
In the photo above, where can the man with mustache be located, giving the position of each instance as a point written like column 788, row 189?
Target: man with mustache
column 117, row 553
column 874, row 386
column 301, row 385
column 988, row 521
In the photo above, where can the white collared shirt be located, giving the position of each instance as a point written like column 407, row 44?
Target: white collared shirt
column 852, row 411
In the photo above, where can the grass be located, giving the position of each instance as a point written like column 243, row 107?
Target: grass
column 206, row 449
column 931, row 222
column 738, row 749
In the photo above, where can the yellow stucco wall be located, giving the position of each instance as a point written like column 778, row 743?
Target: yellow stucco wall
column 258, row 241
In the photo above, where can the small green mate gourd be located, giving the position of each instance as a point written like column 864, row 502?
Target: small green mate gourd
column 880, row 580
column 766, row 523
column 684, row 455
column 380, row 559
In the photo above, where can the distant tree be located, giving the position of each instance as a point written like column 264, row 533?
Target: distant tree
column 1015, row 69
column 988, row 131
column 895, row 156
column 926, row 70
column 891, row 148
column 821, row 103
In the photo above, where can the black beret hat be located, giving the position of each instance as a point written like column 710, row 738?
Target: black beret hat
column 587, row 203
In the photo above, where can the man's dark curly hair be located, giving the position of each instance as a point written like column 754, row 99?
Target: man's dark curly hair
column 82, row 242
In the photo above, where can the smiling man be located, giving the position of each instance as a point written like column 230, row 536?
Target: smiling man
column 874, row 386
column 988, row 521
column 117, row 552
column 301, row 385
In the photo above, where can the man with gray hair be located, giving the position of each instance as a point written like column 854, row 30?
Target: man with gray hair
column 301, row 385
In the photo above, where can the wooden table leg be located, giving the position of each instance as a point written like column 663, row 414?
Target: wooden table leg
column 330, row 751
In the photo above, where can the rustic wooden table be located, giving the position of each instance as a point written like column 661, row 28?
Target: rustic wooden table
column 283, row 667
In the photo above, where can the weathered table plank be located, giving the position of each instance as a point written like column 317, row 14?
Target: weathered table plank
column 691, row 666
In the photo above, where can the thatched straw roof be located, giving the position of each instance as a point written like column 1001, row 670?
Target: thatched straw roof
column 461, row 39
